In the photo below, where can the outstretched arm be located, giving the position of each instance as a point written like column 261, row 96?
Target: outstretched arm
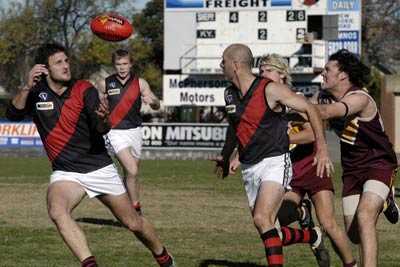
column 348, row 105
column 280, row 93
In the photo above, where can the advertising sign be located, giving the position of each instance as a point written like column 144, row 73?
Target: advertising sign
column 19, row 135
column 176, row 5
column 193, row 90
column 173, row 136
column 195, row 136
column 349, row 40
column 344, row 5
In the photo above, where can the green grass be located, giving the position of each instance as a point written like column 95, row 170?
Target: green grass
column 203, row 221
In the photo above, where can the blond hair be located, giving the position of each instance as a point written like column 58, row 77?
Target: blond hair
column 278, row 63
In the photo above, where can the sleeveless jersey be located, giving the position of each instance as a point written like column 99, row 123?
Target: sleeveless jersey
column 125, row 102
column 363, row 141
column 260, row 131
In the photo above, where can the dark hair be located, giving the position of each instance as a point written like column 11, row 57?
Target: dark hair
column 119, row 53
column 358, row 72
column 45, row 51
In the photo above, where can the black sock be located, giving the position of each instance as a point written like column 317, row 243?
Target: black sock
column 89, row 262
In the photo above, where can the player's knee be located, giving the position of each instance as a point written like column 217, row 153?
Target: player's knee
column 288, row 212
column 366, row 216
column 132, row 172
column 134, row 225
column 263, row 221
column 329, row 224
column 57, row 213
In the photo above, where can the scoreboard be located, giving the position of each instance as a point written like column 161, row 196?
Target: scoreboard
column 197, row 31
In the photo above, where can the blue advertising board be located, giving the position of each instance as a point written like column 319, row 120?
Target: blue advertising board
column 349, row 40
column 344, row 5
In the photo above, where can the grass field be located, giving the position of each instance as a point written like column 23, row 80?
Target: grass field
column 203, row 221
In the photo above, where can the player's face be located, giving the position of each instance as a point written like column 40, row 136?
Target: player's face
column 226, row 66
column 59, row 68
column 123, row 66
column 269, row 72
column 331, row 75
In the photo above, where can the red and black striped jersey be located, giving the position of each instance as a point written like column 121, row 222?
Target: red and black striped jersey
column 67, row 125
column 125, row 102
column 260, row 131
column 363, row 141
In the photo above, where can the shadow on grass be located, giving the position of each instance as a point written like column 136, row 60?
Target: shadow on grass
column 99, row 221
column 226, row 263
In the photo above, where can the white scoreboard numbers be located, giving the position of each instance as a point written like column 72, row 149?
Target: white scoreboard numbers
column 197, row 31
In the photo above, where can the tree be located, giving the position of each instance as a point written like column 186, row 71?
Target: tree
column 24, row 26
column 380, row 32
column 148, row 45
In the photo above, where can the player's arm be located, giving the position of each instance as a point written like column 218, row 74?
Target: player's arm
column 148, row 97
column 101, row 88
column 348, row 105
column 18, row 106
column 222, row 162
column 305, row 136
column 280, row 93
column 98, row 111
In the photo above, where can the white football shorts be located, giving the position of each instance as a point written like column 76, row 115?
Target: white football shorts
column 102, row 181
column 117, row 139
column 274, row 169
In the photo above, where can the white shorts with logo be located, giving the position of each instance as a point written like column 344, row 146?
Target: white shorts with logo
column 117, row 139
column 274, row 169
column 102, row 181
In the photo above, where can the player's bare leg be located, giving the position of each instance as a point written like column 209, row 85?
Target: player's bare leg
column 268, row 201
column 62, row 198
column 122, row 209
column 130, row 165
column 269, row 198
column 324, row 208
column 367, row 214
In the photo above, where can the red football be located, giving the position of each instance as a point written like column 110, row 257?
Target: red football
column 111, row 27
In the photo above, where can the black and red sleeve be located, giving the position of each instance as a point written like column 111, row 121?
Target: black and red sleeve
column 15, row 114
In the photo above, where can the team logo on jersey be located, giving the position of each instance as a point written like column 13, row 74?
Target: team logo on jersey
column 112, row 84
column 43, row 96
column 45, row 105
column 228, row 97
column 309, row 2
column 116, row 91
column 230, row 109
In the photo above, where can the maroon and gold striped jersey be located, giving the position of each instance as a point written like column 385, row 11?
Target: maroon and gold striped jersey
column 363, row 141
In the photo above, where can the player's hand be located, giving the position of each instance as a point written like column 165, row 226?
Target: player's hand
column 35, row 74
column 103, row 110
column 218, row 170
column 234, row 165
column 323, row 162
column 147, row 99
